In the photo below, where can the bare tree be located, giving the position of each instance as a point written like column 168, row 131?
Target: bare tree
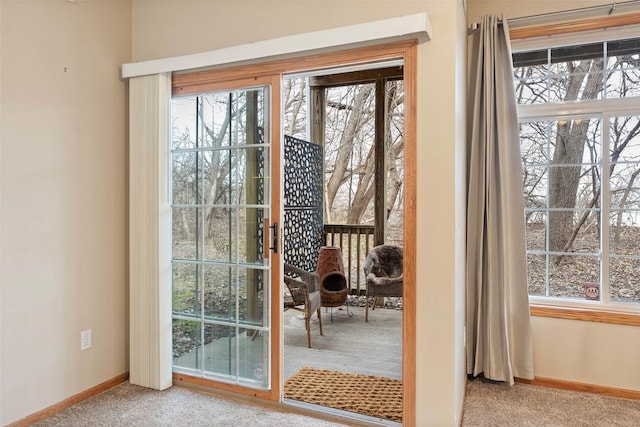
column 355, row 118
column 395, row 141
column 569, row 150
column 294, row 107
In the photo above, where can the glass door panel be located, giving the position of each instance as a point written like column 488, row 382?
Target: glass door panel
column 220, row 162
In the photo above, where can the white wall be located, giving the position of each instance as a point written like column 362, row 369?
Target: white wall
column 63, row 196
column 571, row 350
column 587, row 352
column 440, row 371
column 173, row 28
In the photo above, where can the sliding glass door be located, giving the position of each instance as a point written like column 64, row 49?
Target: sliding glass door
column 224, row 241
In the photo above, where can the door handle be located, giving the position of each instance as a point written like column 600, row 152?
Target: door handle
column 274, row 237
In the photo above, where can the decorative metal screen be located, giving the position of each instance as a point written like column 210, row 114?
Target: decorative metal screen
column 260, row 212
column 303, row 193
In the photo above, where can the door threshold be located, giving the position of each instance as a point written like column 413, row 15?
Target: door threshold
column 340, row 415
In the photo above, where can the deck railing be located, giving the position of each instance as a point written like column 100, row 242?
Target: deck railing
column 355, row 242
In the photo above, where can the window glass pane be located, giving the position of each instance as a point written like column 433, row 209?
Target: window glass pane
column 219, row 229
column 248, row 171
column 185, row 178
column 575, row 141
column 220, row 286
column 531, row 71
column 586, row 238
column 535, row 138
column 186, row 344
column 624, row 184
column 250, row 221
column 186, row 222
column 184, row 122
column 537, row 274
column 624, row 279
column 185, row 283
column 218, row 176
column 576, row 80
column 624, row 234
column 251, row 296
column 231, row 351
column 569, row 273
column 215, row 115
column 251, row 350
column 625, row 139
column 574, row 231
column 535, row 187
column 623, row 66
column 576, row 72
column 220, row 349
column 565, row 55
column 536, row 232
column 574, row 186
column 531, row 90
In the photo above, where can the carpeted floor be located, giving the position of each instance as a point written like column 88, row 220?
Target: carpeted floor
column 362, row 394
column 486, row 404
column 490, row 404
column 130, row 405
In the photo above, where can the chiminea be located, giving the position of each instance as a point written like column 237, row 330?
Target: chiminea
column 333, row 283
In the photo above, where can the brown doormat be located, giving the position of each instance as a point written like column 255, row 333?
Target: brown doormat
column 363, row 394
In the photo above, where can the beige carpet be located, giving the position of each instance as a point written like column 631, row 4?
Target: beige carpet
column 486, row 404
column 362, row 394
column 128, row 405
column 491, row 404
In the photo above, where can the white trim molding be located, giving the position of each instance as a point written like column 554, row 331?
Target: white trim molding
column 352, row 36
column 150, row 353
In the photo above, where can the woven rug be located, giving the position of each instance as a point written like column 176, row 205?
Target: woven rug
column 363, row 394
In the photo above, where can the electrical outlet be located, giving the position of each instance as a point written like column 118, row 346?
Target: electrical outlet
column 85, row 339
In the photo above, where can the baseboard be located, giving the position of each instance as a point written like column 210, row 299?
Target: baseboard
column 60, row 406
column 586, row 388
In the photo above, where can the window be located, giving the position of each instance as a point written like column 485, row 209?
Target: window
column 579, row 109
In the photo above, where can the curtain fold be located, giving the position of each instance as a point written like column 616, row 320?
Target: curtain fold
column 499, row 343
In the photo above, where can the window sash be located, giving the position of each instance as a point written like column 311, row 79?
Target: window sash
column 603, row 110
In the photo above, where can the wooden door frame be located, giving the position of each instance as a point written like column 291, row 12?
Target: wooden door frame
column 200, row 81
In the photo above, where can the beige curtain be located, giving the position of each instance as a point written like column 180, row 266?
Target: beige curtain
column 498, row 322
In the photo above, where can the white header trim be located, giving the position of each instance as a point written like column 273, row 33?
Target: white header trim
column 387, row 30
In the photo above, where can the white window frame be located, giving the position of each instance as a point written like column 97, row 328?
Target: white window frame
column 604, row 109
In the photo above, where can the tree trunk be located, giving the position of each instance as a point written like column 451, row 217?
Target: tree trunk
column 394, row 151
column 354, row 121
column 569, row 148
column 365, row 191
